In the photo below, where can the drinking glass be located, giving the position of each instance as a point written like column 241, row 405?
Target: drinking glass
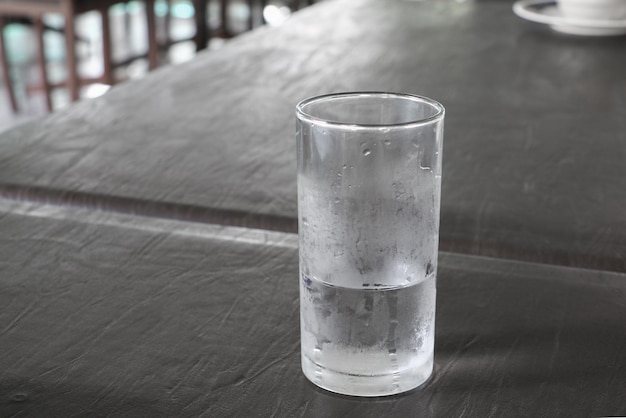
column 369, row 181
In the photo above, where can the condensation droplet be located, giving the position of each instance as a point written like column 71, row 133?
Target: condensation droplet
column 429, row 268
column 306, row 281
column 337, row 200
column 344, row 166
column 387, row 142
column 367, row 151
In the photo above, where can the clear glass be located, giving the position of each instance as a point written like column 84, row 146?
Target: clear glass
column 369, row 181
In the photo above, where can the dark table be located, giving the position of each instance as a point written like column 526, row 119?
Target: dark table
column 534, row 148
column 149, row 264
column 107, row 314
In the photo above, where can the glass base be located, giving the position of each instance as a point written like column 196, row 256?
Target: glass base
column 359, row 385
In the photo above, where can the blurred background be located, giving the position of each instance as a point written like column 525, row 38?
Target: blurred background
column 175, row 28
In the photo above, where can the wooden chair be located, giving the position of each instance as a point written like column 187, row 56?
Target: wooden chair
column 34, row 10
column 203, row 33
column 223, row 31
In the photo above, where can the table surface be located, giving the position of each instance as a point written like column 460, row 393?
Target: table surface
column 534, row 148
column 109, row 314
column 130, row 284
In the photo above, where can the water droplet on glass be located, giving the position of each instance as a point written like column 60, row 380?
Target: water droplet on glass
column 387, row 142
column 339, row 174
column 351, row 167
column 337, row 200
column 306, row 281
column 429, row 268
column 338, row 253
column 349, row 186
column 344, row 166
column 367, row 151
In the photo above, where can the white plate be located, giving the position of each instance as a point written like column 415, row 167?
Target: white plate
column 547, row 12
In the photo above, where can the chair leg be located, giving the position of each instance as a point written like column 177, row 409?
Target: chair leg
column 39, row 29
column 4, row 60
column 224, row 18
column 73, row 83
column 263, row 4
column 202, row 32
column 153, row 53
column 168, row 22
column 106, row 47
column 251, row 15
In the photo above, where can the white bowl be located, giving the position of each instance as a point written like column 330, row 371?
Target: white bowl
column 593, row 9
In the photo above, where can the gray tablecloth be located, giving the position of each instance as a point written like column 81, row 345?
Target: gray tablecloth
column 534, row 148
column 113, row 315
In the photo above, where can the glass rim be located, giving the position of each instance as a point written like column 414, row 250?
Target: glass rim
column 303, row 115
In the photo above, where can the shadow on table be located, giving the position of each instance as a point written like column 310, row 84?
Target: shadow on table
column 574, row 370
column 513, row 343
